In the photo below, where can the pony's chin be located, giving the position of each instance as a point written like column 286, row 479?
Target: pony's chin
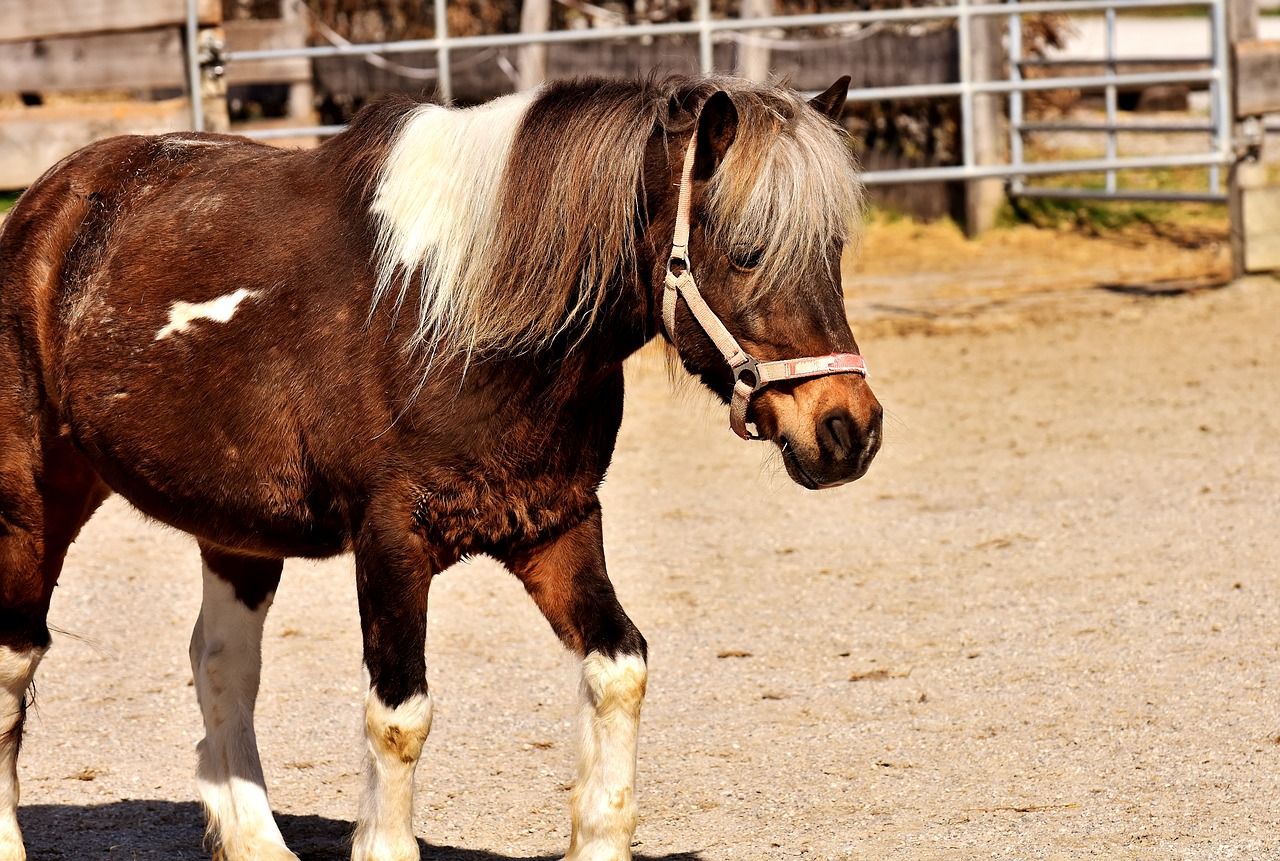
column 803, row 476
column 796, row 469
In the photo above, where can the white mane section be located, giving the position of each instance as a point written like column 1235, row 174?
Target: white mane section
column 437, row 204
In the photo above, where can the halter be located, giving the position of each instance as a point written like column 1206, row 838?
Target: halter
column 749, row 374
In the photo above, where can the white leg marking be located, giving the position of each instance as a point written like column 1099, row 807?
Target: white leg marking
column 220, row 310
column 16, row 672
column 603, row 803
column 395, row 737
column 226, row 659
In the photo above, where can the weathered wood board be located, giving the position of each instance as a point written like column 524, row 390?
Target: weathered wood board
column 44, row 19
column 1257, row 63
column 144, row 59
column 34, row 139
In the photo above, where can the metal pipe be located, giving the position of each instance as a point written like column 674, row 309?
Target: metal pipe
column 964, row 39
column 706, row 52
column 1220, row 91
column 1015, row 96
column 1111, row 94
column 292, row 132
column 1050, row 62
column 1136, row 128
column 1036, row 168
column 442, row 52
column 1098, row 194
column 194, row 71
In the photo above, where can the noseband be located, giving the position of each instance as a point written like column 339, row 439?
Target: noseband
column 749, row 374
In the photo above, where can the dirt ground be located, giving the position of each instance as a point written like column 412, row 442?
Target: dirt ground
column 1045, row 626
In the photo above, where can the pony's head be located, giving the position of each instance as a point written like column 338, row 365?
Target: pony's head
column 772, row 195
column 519, row 227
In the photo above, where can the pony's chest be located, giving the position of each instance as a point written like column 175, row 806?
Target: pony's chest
column 500, row 514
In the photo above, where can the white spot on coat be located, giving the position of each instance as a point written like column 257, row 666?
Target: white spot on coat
column 220, row 310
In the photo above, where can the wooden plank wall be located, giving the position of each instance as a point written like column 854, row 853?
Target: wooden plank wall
column 47, row 19
column 143, row 59
column 82, row 46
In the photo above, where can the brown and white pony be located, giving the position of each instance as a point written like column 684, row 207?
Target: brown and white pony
column 408, row 344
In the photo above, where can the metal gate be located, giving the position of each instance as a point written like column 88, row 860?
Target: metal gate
column 974, row 89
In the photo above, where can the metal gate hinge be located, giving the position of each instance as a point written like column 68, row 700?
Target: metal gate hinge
column 213, row 53
column 1247, row 143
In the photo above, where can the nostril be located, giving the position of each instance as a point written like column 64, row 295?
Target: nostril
column 839, row 428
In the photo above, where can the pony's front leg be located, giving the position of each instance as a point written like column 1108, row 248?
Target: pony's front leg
column 392, row 584
column 226, row 661
column 566, row 578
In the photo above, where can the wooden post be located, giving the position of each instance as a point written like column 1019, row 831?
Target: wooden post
column 213, row 80
column 1253, row 207
column 535, row 17
column 753, row 52
column 302, row 103
column 983, row 197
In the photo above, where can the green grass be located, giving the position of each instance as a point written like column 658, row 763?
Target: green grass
column 8, row 199
column 1094, row 216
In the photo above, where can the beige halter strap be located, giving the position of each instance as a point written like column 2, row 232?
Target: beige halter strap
column 749, row 375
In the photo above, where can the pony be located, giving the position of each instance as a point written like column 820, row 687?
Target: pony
column 408, row 344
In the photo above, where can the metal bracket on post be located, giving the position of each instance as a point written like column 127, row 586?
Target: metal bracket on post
column 1249, row 138
column 212, row 49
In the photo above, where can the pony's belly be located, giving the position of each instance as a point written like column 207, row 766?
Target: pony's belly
column 246, row 491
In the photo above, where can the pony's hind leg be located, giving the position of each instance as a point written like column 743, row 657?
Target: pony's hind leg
column 43, row 504
column 566, row 578
column 226, row 661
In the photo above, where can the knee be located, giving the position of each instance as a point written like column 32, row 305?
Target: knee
column 398, row 732
column 17, row 668
column 615, row 683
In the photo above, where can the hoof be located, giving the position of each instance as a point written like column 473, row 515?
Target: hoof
column 11, row 848
column 385, row 850
column 259, row 852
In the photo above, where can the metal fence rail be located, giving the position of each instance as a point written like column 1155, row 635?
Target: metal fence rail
column 1016, row 168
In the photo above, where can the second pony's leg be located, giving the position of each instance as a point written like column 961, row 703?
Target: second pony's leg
column 39, row 518
column 566, row 578
column 226, row 660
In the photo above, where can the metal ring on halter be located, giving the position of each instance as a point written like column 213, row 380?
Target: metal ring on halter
column 748, row 366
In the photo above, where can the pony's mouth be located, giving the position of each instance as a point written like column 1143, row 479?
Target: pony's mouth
column 794, row 469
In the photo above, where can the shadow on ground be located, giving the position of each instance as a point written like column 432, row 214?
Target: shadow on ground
column 142, row 829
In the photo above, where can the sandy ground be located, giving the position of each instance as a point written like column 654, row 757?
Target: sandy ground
column 1045, row 626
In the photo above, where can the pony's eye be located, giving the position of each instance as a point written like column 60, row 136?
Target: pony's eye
column 746, row 258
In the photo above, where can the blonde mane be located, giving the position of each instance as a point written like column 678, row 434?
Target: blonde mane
column 507, row 225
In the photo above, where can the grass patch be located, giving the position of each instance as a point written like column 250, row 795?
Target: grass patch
column 1090, row 216
column 8, row 199
column 1097, row 216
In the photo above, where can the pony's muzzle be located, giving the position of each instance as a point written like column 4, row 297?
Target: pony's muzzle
column 848, row 443
column 828, row 429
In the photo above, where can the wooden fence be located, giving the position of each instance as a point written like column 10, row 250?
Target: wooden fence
column 125, row 63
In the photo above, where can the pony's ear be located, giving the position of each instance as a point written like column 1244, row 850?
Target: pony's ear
column 831, row 102
column 717, row 127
